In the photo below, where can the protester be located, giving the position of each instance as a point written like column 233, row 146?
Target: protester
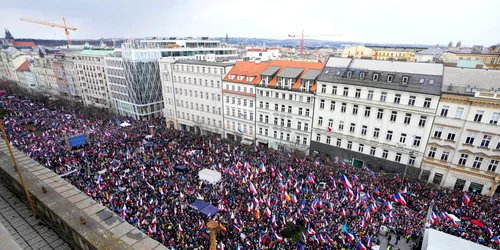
column 261, row 190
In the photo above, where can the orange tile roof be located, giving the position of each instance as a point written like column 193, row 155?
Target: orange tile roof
column 24, row 44
column 246, row 68
column 294, row 64
column 24, row 67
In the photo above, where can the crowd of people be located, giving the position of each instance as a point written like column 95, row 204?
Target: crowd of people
column 132, row 171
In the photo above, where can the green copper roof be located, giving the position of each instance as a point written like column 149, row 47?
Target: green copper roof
column 92, row 52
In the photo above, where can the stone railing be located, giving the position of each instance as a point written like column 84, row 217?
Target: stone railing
column 63, row 204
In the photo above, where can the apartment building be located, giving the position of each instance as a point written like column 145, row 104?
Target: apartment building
column 239, row 91
column 192, row 91
column 464, row 149
column 285, row 103
column 133, row 78
column 92, row 77
column 377, row 113
column 66, row 76
column 490, row 58
column 25, row 76
column 44, row 74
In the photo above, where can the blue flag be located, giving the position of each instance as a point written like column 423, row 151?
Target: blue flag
column 344, row 228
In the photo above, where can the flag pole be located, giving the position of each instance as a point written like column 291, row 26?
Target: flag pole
column 30, row 201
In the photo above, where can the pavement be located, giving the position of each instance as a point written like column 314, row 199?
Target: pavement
column 402, row 245
column 20, row 230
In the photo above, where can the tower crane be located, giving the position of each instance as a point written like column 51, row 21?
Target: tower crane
column 64, row 26
column 302, row 39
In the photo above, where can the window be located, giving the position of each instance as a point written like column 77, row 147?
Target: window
column 385, row 153
column 423, row 120
column 431, row 81
column 306, row 126
column 375, row 77
column 322, row 104
column 404, row 80
column 346, row 91
column 323, row 88
column 289, row 123
column 498, row 146
column 282, row 122
column 307, row 112
column 397, row 98
column 362, row 75
column 267, row 105
column 398, row 157
column 282, row 108
column 352, row 127
column 495, row 116
column 394, row 115
column 479, row 116
column 358, row 93
column 389, row 135
column 355, row 109
column 451, row 134
column 260, row 131
column 445, row 154
column 427, row 102
column 320, row 121
column 432, row 152
column 470, row 138
column 383, row 96
column 422, row 80
column 459, row 112
column 330, row 123
column 380, row 113
column 376, row 132
column 493, row 165
column 416, row 141
column 463, row 159
column 444, row 110
column 373, row 150
column 318, row 137
column 275, row 134
column 364, row 128
column 299, row 125
column 339, row 142
column 477, row 162
column 341, row 125
column 266, row 119
column 261, row 104
column 402, row 139
column 290, row 109
column 300, row 111
column 349, row 145
column 332, row 106
column 407, row 118
column 370, row 95
column 390, row 78
column 361, row 148
column 276, row 107
column 266, row 132
column 343, row 108
column 411, row 161
column 486, row 141
column 251, row 104
column 411, row 101
column 328, row 140
column 334, row 90
column 288, row 137
column 304, row 141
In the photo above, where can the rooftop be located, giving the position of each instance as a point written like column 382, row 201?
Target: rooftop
column 208, row 63
column 24, row 44
column 468, row 81
column 247, row 69
column 24, row 67
column 100, row 52
column 399, row 67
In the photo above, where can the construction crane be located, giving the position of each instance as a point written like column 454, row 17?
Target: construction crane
column 302, row 39
column 64, row 26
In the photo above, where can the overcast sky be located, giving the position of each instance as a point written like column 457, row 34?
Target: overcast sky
column 377, row 21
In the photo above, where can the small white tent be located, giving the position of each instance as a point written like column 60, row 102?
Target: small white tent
column 125, row 124
column 209, row 175
column 437, row 240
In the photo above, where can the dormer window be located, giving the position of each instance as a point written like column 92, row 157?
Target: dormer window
column 240, row 78
column 362, row 75
column 422, row 80
column 431, row 81
column 231, row 77
column 349, row 74
column 390, row 78
column 375, row 77
column 404, row 80
column 326, row 71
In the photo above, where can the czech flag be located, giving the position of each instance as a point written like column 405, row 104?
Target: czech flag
column 496, row 240
column 310, row 179
column 388, row 205
column 488, row 230
column 372, row 208
column 376, row 192
column 278, row 238
column 343, row 213
column 349, row 236
column 236, row 228
column 294, row 198
column 368, row 241
column 361, row 246
column 311, row 231
column 434, row 216
column 400, row 199
column 253, row 189
column 180, row 229
column 345, row 181
column 466, row 199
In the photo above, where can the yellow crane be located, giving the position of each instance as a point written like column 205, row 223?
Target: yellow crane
column 65, row 27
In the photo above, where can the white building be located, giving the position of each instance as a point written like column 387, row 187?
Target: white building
column 376, row 113
column 192, row 94
column 190, row 48
column 285, row 103
column 464, row 150
column 45, row 76
column 263, row 54
column 429, row 55
column 25, row 76
column 239, row 100
column 92, row 77
column 66, row 76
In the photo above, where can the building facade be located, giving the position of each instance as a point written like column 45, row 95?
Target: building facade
column 490, row 59
column 45, row 76
column 239, row 91
column 263, row 54
column 464, row 149
column 285, row 103
column 133, row 78
column 92, row 77
column 376, row 113
column 192, row 95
